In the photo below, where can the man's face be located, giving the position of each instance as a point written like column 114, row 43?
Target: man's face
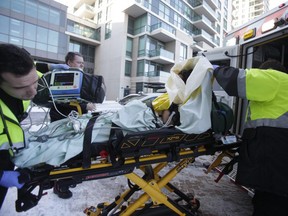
column 78, row 62
column 21, row 87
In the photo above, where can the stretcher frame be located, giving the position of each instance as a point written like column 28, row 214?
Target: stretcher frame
column 125, row 163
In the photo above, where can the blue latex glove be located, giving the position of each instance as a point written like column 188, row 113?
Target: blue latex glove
column 58, row 67
column 215, row 66
column 10, row 179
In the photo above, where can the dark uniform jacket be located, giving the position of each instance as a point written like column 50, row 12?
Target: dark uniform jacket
column 264, row 153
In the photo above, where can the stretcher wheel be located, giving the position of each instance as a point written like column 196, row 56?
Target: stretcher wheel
column 194, row 204
column 72, row 186
column 149, row 172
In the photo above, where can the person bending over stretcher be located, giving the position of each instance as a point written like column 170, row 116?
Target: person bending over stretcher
column 18, row 84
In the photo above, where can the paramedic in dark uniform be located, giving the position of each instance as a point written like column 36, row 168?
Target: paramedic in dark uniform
column 264, row 152
column 75, row 60
column 18, row 85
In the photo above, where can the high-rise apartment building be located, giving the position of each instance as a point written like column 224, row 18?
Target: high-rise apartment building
column 246, row 10
column 132, row 43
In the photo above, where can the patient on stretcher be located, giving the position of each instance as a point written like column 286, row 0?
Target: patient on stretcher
column 60, row 141
column 64, row 140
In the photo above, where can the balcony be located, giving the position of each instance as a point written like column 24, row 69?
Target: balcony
column 200, row 46
column 85, row 11
column 154, row 79
column 162, row 78
column 206, row 10
column 202, row 35
column 162, row 32
column 82, row 38
column 158, row 76
column 78, row 3
column 135, row 8
column 161, row 56
column 212, row 3
column 202, row 22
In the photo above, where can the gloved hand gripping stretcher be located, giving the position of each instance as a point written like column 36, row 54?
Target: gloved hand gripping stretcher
column 118, row 143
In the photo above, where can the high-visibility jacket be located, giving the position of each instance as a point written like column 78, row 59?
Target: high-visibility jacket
column 11, row 133
column 266, row 91
column 263, row 154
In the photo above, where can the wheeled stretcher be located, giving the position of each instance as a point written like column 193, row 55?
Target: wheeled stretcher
column 122, row 155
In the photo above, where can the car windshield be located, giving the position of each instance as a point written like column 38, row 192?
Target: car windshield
column 129, row 98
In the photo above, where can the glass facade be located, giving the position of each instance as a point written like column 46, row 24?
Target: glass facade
column 151, row 47
column 148, row 68
column 183, row 52
column 39, row 28
column 29, row 35
column 129, row 47
column 108, row 30
column 179, row 14
column 82, row 30
column 128, row 68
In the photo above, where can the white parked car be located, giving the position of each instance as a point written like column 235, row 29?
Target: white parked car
column 107, row 105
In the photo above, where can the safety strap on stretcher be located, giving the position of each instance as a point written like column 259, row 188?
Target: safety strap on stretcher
column 86, row 153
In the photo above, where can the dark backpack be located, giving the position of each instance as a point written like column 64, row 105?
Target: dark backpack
column 93, row 89
column 222, row 116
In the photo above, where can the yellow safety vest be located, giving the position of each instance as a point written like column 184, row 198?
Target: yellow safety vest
column 267, row 93
column 11, row 133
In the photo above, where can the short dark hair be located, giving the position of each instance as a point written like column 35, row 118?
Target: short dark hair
column 71, row 55
column 273, row 64
column 14, row 59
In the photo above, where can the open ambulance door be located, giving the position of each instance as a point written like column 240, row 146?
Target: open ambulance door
column 226, row 56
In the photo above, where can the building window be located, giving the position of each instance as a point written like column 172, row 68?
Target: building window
column 108, row 13
column 5, row 4
column 140, row 68
column 128, row 68
column 164, row 11
column 108, row 30
column 139, row 87
column 183, row 52
column 140, row 24
column 16, row 28
column 31, row 8
column 100, row 3
column 129, row 47
column 17, row 6
column 43, row 13
column 88, row 53
column 142, row 46
column 54, row 17
column 225, row 24
column 99, row 17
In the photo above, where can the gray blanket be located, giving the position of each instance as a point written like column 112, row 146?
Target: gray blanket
column 60, row 142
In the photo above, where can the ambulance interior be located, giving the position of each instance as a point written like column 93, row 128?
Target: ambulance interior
column 275, row 49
